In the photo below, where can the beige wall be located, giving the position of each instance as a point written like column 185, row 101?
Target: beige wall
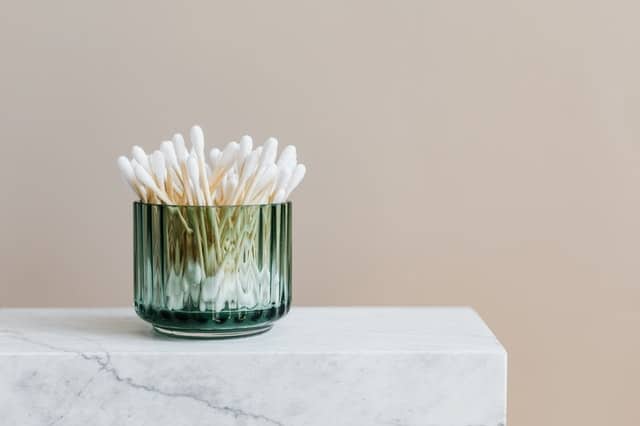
column 459, row 153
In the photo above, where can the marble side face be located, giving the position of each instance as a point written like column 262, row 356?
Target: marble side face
column 318, row 366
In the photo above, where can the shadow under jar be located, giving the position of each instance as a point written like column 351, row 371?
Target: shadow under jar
column 209, row 272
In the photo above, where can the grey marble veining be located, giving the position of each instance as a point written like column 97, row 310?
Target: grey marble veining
column 317, row 366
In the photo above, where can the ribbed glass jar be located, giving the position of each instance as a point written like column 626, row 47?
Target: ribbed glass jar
column 202, row 271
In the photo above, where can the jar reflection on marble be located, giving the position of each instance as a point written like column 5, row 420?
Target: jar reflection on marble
column 203, row 271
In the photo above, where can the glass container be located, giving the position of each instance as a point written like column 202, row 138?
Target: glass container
column 208, row 272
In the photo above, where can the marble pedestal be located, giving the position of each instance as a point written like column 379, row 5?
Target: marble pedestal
column 317, row 366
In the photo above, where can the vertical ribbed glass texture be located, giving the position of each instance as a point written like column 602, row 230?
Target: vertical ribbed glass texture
column 204, row 271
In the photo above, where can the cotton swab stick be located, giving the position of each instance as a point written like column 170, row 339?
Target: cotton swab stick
column 296, row 178
column 245, row 148
column 250, row 167
column 283, row 178
column 278, row 197
column 263, row 184
column 182, row 155
column 181, row 149
column 141, row 157
column 194, row 177
column 129, row 176
column 146, row 179
column 169, row 152
column 174, row 174
column 287, row 157
column 227, row 160
column 197, row 140
column 270, row 152
column 159, row 168
column 214, row 156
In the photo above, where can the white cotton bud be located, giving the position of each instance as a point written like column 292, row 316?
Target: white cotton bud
column 197, row 140
column 126, row 169
column 145, row 178
column 246, row 145
column 296, row 178
column 265, row 181
column 270, row 152
column 228, row 156
column 284, row 175
column 214, row 158
column 181, row 149
column 288, row 157
column 194, row 175
column 250, row 167
column 158, row 166
column 169, row 153
column 141, row 157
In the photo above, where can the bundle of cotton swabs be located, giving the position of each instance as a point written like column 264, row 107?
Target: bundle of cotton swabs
column 236, row 175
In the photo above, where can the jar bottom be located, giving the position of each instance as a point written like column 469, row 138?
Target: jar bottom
column 211, row 334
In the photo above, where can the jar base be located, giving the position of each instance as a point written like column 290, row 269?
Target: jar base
column 209, row 334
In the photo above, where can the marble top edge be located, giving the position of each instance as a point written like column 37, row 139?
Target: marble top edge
column 313, row 330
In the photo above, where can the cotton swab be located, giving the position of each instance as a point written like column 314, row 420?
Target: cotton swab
column 170, row 156
column 245, row 148
column 159, row 168
column 194, row 177
column 143, row 176
column 226, row 160
column 197, row 140
column 129, row 176
column 296, row 178
column 181, row 150
column 287, row 157
column 269, row 153
column 214, row 156
column 141, row 157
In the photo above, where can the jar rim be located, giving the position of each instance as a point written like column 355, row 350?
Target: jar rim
column 143, row 203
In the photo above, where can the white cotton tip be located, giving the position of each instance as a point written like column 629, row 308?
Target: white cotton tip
column 296, row 178
column 194, row 171
column 158, row 166
column 169, row 153
column 181, row 149
column 126, row 169
column 197, row 139
column 228, row 156
column 284, row 175
column 141, row 157
column 288, row 157
column 214, row 158
column 246, row 145
column 250, row 167
column 145, row 178
column 269, row 176
column 270, row 152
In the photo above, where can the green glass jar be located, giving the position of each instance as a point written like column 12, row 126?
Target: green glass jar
column 202, row 271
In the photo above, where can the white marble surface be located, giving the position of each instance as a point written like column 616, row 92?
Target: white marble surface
column 317, row 366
